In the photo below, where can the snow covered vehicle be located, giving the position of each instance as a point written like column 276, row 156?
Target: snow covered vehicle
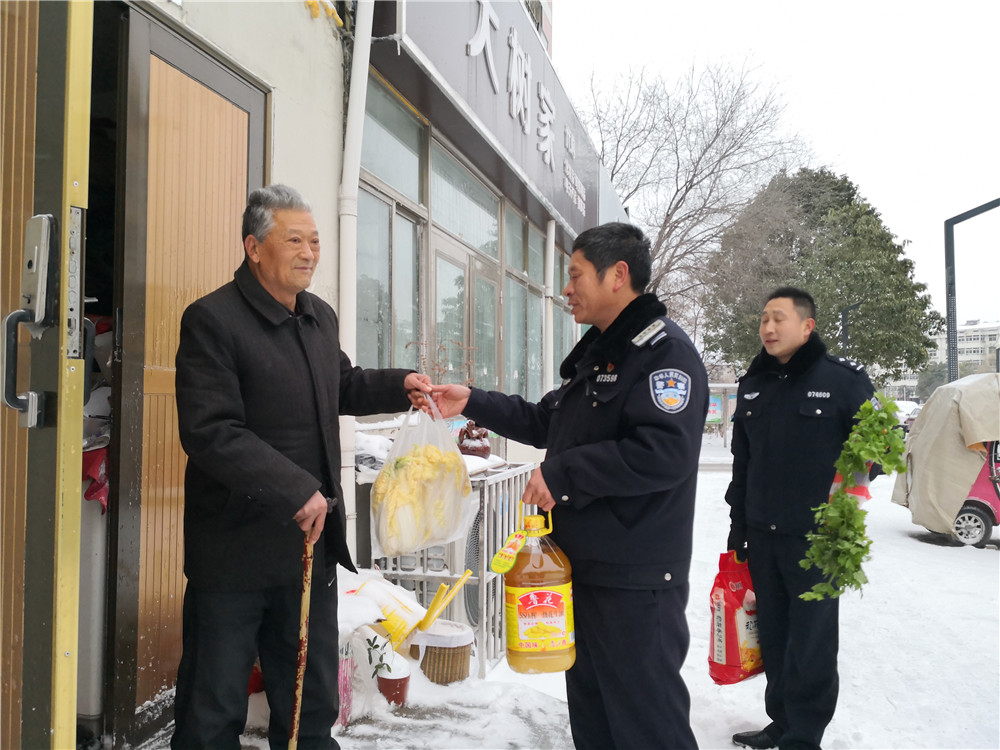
column 904, row 409
column 952, row 479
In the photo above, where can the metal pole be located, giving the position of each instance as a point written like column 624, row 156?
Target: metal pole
column 951, row 309
column 949, row 270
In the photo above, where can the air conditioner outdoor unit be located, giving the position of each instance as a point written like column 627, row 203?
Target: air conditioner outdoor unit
column 480, row 603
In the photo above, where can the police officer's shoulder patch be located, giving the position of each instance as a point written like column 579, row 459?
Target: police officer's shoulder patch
column 648, row 332
column 850, row 364
column 670, row 389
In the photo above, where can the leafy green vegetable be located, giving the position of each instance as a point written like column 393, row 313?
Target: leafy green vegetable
column 840, row 543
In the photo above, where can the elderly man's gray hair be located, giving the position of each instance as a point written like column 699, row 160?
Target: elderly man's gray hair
column 258, row 218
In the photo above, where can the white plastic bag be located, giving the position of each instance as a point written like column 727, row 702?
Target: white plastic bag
column 422, row 496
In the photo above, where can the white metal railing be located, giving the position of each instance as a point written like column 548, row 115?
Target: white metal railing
column 482, row 603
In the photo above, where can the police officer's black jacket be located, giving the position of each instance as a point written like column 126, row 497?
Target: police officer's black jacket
column 259, row 395
column 789, row 428
column 623, row 435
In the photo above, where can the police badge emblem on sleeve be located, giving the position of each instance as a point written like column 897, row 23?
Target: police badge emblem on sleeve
column 671, row 390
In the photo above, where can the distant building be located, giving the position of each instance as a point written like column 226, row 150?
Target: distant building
column 977, row 342
column 977, row 345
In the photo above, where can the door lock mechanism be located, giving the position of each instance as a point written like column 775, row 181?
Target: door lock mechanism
column 39, row 290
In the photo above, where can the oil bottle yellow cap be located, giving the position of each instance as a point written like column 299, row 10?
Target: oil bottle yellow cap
column 535, row 526
column 532, row 523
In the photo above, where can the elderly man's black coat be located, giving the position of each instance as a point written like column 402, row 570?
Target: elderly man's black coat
column 259, row 393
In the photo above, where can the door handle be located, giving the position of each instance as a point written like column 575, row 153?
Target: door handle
column 39, row 290
column 30, row 404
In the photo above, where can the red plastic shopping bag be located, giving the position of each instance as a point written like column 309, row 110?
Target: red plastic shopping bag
column 734, row 649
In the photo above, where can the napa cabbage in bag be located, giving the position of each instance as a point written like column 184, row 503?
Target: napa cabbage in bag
column 422, row 496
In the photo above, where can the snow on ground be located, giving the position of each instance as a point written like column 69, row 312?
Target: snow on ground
column 919, row 662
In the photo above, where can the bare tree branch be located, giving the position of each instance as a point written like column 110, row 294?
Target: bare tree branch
column 687, row 159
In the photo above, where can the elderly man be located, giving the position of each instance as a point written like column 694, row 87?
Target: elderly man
column 261, row 382
column 623, row 435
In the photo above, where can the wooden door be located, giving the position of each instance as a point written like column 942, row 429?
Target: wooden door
column 194, row 150
column 46, row 91
column 19, row 49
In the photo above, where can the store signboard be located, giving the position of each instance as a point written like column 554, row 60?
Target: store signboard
column 488, row 58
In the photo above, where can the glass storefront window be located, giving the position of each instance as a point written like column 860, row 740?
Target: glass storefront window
column 563, row 340
column 485, row 373
column 536, row 256
column 561, row 272
column 558, row 323
column 514, row 240
column 536, row 325
column 405, row 298
column 392, row 146
column 461, row 204
column 388, row 285
column 374, row 324
column 570, row 333
column 447, row 361
column 515, row 346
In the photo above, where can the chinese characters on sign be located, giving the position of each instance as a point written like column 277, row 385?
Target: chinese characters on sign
column 574, row 187
column 546, row 115
column 519, row 81
column 481, row 40
column 519, row 74
column 569, row 141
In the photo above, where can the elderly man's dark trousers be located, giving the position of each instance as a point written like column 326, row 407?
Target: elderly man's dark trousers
column 799, row 640
column 625, row 690
column 223, row 632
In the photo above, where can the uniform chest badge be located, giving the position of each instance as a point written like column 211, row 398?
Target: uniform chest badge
column 670, row 389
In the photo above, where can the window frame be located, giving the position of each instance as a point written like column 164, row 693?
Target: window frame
column 396, row 210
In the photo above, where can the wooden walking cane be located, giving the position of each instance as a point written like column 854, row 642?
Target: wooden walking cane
column 307, row 560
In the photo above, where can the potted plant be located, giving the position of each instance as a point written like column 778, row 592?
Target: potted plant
column 392, row 683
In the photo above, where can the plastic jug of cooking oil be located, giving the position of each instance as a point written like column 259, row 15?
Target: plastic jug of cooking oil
column 538, row 600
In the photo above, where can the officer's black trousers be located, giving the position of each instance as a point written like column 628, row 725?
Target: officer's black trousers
column 799, row 640
column 223, row 633
column 625, row 690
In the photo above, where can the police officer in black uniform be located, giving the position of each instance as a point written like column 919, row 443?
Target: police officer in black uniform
column 623, row 435
column 795, row 408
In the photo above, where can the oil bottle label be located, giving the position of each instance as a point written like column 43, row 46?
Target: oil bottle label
column 504, row 559
column 539, row 619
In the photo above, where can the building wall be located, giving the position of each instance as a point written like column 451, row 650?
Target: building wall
column 977, row 342
column 301, row 59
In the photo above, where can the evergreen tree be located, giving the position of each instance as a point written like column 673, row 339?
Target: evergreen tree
column 936, row 374
column 813, row 230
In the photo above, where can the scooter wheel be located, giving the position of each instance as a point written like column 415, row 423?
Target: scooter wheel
column 973, row 526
